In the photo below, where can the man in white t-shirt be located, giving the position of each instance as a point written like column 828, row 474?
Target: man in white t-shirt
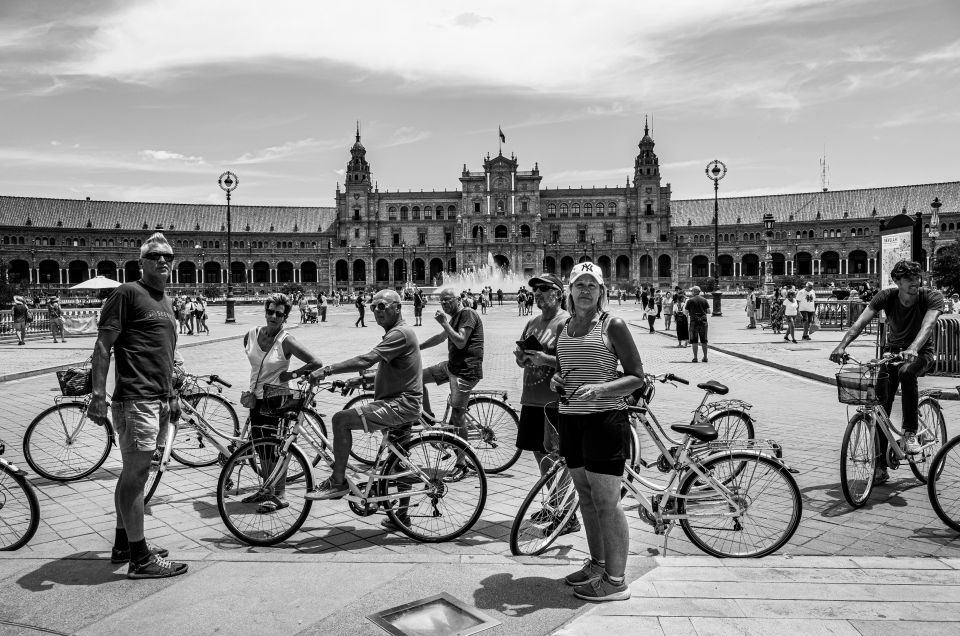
column 807, row 299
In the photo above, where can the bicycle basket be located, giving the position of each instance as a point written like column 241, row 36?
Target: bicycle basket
column 279, row 399
column 75, row 382
column 862, row 385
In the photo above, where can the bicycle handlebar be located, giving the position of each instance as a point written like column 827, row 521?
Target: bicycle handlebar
column 216, row 378
column 677, row 378
column 663, row 378
column 887, row 358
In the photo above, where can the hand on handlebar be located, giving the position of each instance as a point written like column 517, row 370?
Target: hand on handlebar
column 840, row 356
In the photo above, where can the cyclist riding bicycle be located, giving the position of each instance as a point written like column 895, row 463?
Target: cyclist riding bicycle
column 911, row 316
column 397, row 389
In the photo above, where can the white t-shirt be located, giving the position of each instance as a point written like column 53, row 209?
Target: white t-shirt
column 790, row 307
column 806, row 299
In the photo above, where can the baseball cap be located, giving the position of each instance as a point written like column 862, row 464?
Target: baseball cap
column 550, row 280
column 586, row 268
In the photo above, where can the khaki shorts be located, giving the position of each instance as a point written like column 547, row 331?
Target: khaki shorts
column 389, row 413
column 460, row 388
column 140, row 424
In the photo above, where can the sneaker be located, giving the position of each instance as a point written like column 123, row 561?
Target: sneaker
column 328, row 490
column 459, row 472
column 601, row 589
column 589, row 572
column 573, row 525
column 542, row 516
column 806, row 338
column 156, row 567
column 390, row 525
column 880, row 476
column 123, row 556
column 911, row 445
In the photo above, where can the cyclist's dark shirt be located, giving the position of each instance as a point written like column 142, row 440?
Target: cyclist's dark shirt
column 903, row 323
column 144, row 348
column 697, row 307
column 467, row 363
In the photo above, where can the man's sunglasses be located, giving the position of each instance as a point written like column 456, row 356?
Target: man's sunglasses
column 156, row 256
column 544, row 288
column 381, row 306
column 279, row 313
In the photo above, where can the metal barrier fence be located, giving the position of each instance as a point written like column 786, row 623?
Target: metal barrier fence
column 40, row 326
column 947, row 346
column 836, row 315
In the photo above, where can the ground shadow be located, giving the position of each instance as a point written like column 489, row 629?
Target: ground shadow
column 888, row 494
column 71, row 570
column 522, row 596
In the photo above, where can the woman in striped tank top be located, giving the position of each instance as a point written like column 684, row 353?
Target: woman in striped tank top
column 594, row 430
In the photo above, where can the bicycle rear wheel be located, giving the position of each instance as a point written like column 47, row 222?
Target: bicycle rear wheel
column 19, row 509
column 858, row 459
column 190, row 447
column 545, row 512
column 492, row 428
column 764, row 488
column 453, row 499
column 365, row 445
column 943, row 483
column 931, row 433
column 157, row 466
column 732, row 425
column 243, row 488
column 63, row 444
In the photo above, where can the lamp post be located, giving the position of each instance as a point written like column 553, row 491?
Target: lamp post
column 593, row 250
column 228, row 182
column 200, row 258
column 934, row 232
column 716, row 170
column 768, row 222
column 403, row 252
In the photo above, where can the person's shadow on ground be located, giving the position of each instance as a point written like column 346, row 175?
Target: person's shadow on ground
column 71, row 570
column 522, row 596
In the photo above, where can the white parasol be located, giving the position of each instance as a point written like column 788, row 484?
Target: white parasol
column 98, row 282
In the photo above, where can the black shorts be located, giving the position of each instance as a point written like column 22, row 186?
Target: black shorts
column 530, row 431
column 599, row 442
column 698, row 330
column 418, row 311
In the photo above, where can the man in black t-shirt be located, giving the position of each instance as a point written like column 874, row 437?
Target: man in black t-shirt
column 463, row 331
column 697, row 309
column 911, row 316
column 418, row 304
column 138, row 323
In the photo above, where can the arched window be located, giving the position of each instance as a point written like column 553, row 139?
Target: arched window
column 563, row 209
column 576, row 209
column 416, row 213
column 500, row 206
column 612, row 209
column 587, row 209
column 451, row 212
column 403, row 213
column 599, row 209
column 551, row 210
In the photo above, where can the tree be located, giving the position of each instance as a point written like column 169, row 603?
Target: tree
column 212, row 291
column 707, row 285
column 946, row 268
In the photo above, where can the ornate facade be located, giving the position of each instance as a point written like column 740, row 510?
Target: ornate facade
column 498, row 215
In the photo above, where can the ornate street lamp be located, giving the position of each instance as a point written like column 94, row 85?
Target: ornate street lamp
column 593, row 250
column 934, row 232
column 228, row 182
column 768, row 222
column 403, row 252
column 716, row 170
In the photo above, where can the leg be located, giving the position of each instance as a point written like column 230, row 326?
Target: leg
column 344, row 422
column 589, row 514
column 615, row 533
column 128, row 496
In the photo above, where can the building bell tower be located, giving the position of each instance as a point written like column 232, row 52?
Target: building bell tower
column 651, row 221
column 355, row 202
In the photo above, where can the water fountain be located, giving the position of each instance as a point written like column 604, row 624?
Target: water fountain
column 476, row 278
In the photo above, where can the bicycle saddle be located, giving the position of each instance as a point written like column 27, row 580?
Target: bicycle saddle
column 704, row 432
column 714, row 387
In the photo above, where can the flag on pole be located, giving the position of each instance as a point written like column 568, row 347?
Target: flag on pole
column 503, row 138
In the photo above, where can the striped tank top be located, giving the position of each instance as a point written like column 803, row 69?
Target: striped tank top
column 586, row 360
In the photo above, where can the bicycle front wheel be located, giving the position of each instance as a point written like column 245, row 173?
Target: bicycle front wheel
column 858, row 459
column 758, row 515
column 157, row 465
column 250, row 492
column 943, row 483
column 19, row 509
column 365, row 445
column 435, row 501
column 732, row 425
column 492, row 432
column 545, row 512
column 191, row 447
column 63, row 444
column 931, row 433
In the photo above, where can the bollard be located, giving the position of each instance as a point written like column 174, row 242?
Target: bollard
column 716, row 303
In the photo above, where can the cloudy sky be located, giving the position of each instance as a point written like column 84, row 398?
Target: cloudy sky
column 151, row 100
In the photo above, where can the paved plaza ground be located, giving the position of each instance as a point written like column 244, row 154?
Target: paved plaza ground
column 891, row 565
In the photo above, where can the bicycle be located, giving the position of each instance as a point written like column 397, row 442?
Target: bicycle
column 491, row 423
column 729, row 482
column 943, row 482
column 414, row 477
column 63, row 444
column 19, row 508
column 865, row 386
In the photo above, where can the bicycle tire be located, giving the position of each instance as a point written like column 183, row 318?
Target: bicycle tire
column 732, row 425
column 190, row 447
column 318, row 459
column 553, row 494
column 365, row 445
column 932, row 424
column 243, row 476
column 19, row 509
column 425, row 519
column 46, row 449
column 492, row 428
column 157, row 468
column 943, row 483
column 754, row 480
column 857, row 466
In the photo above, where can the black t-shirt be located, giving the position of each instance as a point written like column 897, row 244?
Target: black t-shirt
column 148, row 336
column 467, row 362
column 418, row 300
column 697, row 307
column 903, row 323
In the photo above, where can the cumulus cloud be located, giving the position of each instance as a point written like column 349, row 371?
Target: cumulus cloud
column 166, row 155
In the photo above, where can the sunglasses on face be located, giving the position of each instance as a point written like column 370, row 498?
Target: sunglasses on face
column 274, row 312
column 381, row 306
column 156, row 256
column 544, row 288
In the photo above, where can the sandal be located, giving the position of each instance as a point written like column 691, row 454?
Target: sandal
column 272, row 505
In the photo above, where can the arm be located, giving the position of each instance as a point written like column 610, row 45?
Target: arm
column 459, row 337
column 926, row 330
column 101, row 365
column 291, row 347
column 433, row 341
column 855, row 329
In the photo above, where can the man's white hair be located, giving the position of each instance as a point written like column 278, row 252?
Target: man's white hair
column 156, row 239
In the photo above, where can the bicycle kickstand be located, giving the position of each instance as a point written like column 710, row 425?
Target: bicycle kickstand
column 666, row 535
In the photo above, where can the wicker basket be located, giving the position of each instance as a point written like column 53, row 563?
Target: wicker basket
column 279, row 399
column 75, row 382
column 862, row 385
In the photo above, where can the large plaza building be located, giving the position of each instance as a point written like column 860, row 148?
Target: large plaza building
column 498, row 215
